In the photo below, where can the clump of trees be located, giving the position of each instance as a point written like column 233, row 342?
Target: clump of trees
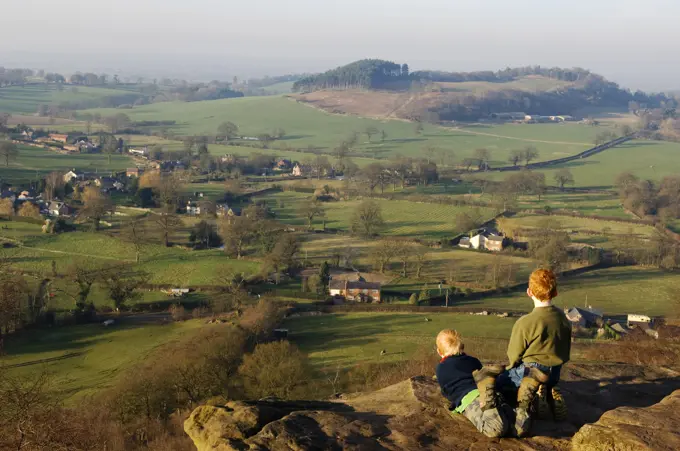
column 645, row 198
column 368, row 73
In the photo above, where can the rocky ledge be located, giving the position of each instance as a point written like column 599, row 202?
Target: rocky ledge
column 630, row 408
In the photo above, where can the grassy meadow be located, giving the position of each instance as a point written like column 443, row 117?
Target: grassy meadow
column 85, row 359
column 26, row 99
column 175, row 265
column 307, row 126
column 600, row 233
column 615, row 291
column 34, row 162
column 343, row 340
column 469, row 269
column 650, row 160
column 402, row 218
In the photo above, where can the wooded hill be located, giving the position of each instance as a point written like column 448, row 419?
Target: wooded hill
column 572, row 89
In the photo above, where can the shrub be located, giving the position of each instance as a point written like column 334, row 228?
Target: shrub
column 274, row 369
column 262, row 318
column 183, row 374
column 413, row 300
column 637, row 348
column 177, row 312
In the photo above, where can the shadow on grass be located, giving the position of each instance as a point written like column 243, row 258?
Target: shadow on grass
column 71, row 339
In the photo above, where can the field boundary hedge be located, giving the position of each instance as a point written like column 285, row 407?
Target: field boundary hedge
column 595, row 217
column 585, row 154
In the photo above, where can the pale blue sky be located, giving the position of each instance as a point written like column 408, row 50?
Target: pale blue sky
column 631, row 41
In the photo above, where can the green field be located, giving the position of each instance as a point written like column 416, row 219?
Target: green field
column 346, row 339
column 306, row 126
column 34, row 162
column 615, row 291
column 468, row 268
column 651, row 160
column 285, row 87
column 402, row 218
column 177, row 266
column 596, row 232
column 85, row 359
column 26, row 99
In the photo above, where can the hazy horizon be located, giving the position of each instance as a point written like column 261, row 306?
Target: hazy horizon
column 624, row 40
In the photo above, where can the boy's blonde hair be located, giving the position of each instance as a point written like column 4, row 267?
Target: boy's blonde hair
column 449, row 343
column 543, row 284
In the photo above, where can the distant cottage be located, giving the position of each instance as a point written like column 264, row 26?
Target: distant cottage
column 297, row 171
column 134, row 172
column 59, row 138
column 584, row 317
column 358, row 290
column 486, row 239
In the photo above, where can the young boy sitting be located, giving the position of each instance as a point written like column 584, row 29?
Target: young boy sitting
column 456, row 374
column 540, row 344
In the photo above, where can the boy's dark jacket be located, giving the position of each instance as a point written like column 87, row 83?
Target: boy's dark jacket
column 454, row 374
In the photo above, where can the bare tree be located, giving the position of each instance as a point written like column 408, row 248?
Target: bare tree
column 384, row 252
column 370, row 131
column 227, row 131
column 8, row 151
column 515, row 157
column 367, row 219
column 529, row 154
column 54, row 185
column 135, row 232
column 167, row 222
column 236, row 233
column 123, row 285
column 95, row 205
column 404, row 253
column 483, row 156
column 81, row 278
column 564, row 177
column 420, row 257
column 310, row 210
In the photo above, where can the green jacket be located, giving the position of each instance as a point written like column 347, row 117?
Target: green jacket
column 543, row 336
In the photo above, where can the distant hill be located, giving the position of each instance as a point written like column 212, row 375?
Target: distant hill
column 393, row 91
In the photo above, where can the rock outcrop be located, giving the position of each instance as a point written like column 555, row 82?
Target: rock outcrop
column 653, row 428
column 412, row 415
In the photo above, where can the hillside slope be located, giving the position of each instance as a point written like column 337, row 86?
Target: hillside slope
column 415, row 103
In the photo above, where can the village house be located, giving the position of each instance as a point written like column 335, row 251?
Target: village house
column 357, row 290
column 639, row 320
column 193, row 208
column 73, row 175
column 58, row 209
column 59, row 138
column 283, row 165
column 27, row 194
column 486, row 239
column 224, row 211
column 584, row 317
column 300, row 170
column 134, row 172
column 228, row 159
column 107, row 184
column 512, row 116
column 139, row 152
